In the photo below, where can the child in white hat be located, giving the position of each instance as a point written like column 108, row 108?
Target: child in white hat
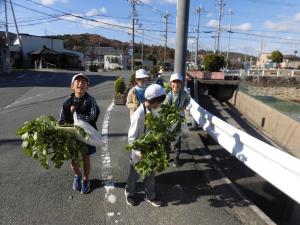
column 136, row 94
column 154, row 97
column 181, row 99
column 86, row 109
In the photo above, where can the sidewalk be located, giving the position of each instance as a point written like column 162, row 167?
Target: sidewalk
column 192, row 194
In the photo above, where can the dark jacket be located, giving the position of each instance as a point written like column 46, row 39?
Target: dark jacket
column 160, row 81
column 86, row 109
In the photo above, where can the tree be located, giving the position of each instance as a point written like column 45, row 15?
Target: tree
column 213, row 63
column 276, row 56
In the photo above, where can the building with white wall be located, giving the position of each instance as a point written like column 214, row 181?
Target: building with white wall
column 33, row 44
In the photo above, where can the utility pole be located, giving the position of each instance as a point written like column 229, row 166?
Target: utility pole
column 7, row 43
column 182, row 21
column 228, row 44
column 220, row 5
column 166, row 18
column 143, row 46
column 133, row 14
column 99, row 55
column 261, row 50
column 198, row 10
column 15, row 21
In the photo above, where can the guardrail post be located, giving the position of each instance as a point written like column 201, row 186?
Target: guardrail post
column 263, row 72
column 293, row 72
column 278, row 73
column 248, row 73
column 241, row 72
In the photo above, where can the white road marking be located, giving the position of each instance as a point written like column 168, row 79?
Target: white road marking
column 26, row 99
column 106, row 162
column 110, row 214
column 21, row 76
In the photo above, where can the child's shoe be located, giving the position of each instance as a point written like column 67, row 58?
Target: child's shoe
column 155, row 202
column 130, row 200
column 85, row 189
column 77, row 183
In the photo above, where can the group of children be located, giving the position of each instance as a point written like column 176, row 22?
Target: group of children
column 140, row 101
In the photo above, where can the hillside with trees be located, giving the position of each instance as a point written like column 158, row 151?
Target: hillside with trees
column 81, row 42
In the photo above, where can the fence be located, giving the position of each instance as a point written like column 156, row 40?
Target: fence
column 262, row 72
column 277, row 167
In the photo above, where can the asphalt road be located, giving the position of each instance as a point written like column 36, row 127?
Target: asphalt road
column 30, row 195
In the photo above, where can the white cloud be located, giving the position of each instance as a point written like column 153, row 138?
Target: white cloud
column 47, row 2
column 280, row 26
column 51, row 2
column 288, row 24
column 92, row 12
column 212, row 23
column 243, row 27
column 146, row 1
column 103, row 10
column 297, row 17
column 209, row 15
column 109, row 23
column 95, row 12
column 170, row 1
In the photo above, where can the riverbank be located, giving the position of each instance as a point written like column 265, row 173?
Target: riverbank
column 285, row 93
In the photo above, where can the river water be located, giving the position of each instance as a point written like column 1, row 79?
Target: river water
column 291, row 109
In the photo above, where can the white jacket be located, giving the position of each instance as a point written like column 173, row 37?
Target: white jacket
column 137, row 130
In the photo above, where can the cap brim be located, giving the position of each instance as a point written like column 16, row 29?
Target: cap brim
column 142, row 76
column 80, row 76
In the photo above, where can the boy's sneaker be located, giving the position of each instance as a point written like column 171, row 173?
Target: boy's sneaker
column 77, row 183
column 85, row 187
column 155, row 202
column 130, row 200
column 176, row 162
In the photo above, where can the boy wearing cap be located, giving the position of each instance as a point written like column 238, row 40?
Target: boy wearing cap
column 87, row 110
column 154, row 96
column 136, row 94
column 181, row 99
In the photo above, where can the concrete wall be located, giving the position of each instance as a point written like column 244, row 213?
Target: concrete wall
column 279, row 127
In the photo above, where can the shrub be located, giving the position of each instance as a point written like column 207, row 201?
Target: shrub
column 120, row 86
column 154, row 70
column 132, row 79
column 213, row 63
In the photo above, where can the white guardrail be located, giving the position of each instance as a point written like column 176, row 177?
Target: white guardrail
column 262, row 72
column 277, row 167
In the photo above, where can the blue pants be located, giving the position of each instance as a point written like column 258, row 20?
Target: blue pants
column 90, row 149
column 149, row 183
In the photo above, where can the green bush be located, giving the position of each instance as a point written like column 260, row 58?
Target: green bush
column 135, row 68
column 167, row 86
column 120, row 86
column 213, row 63
column 154, row 70
column 132, row 79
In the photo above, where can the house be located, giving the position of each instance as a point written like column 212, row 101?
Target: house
column 43, row 52
column 290, row 62
column 95, row 55
column 264, row 61
column 115, row 61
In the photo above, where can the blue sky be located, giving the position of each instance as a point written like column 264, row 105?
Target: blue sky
column 276, row 22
